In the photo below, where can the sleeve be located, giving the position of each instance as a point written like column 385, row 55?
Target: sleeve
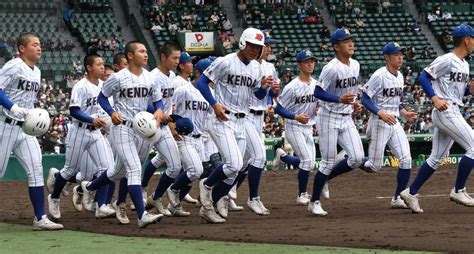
column 7, row 74
column 373, row 86
column 285, row 98
column 111, row 86
column 326, row 78
column 157, row 95
column 75, row 97
column 179, row 95
column 217, row 70
column 438, row 67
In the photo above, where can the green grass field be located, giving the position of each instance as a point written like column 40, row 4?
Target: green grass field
column 21, row 239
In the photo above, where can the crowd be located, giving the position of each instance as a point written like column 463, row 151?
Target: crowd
column 105, row 44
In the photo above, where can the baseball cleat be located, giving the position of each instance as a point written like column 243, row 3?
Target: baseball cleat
column 158, row 205
column 148, row 218
column 325, row 192
column 144, row 195
column 234, row 207
column 53, row 206
column 303, row 199
column 205, row 194
column 103, row 212
column 46, row 224
column 398, row 203
column 121, row 212
column 51, row 179
column 233, row 193
column 173, row 196
column 262, row 207
column 190, row 199
column 87, row 197
column 411, row 201
column 178, row 211
column 461, row 197
column 210, row 215
column 316, row 209
column 77, row 199
column 256, row 206
column 277, row 161
column 66, row 188
column 223, row 207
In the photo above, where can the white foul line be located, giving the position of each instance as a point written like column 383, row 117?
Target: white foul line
column 423, row 196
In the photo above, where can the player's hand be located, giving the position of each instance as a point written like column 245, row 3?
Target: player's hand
column 116, row 118
column 388, row 118
column 410, row 116
column 161, row 116
column 357, row 107
column 175, row 134
column 302, row 118
column 348, row 98
column 275, row 87
column 439, row 104
column 271, row 111
column 219, row 109
column 19, row 111
column 97, row 122
column 266, row 82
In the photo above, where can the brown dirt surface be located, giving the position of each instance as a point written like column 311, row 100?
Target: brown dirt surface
column 357, row 218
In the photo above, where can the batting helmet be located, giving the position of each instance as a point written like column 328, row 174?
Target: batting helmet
column 108, row 121
column 251, row 35
column 36, row 122
column 145, row 125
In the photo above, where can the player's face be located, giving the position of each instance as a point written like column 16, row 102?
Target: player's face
column 171, row 62
column 470, row 44
column 345, row 47
column 140, row 56
column 122, row 65
column 32, row 50
column 307, row 66
column 267, row 50
column 187, row 68
column 97, row 68
column 107, row 74
column 395, row 60
column 252, row 51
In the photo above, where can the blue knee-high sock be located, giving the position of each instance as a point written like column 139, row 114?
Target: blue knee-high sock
column 59, row 184
column 303, row 176
column 403, row 176
column 101, row 195
column 147, row 174
column 123, row 191
column 165, row 182
column 216, row 175
column 137, row 199
column 318, row 185
column 110, row 193
column 292, row 160
column 254, row 181
column 181, row 181
column 72, row 179
column 37, row 200
column 340, row 168
column 464, row 169
column 184, row 191
column 220, row 189
column 421, row 177
column 241, row 178
column 99, row 182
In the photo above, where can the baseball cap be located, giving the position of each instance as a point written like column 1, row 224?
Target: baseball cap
column 462, row 31
column 340, row 35
column 304, row 55
column 268, row 38
column 184, row 125
column 392, row 48
column 185, row 57
column 202, row 64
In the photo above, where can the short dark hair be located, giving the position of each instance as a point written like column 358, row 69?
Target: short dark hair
column 457, row 41
column 118, row 57
column 168, row 47
column 108, row 67
column 89, row 59
column 24, row 39
column 131, row 47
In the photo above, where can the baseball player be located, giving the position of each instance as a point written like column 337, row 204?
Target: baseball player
column 337, row 88
column 85, row 137
column 298, row 105
column 446, row 82
column 120, row 62
column 108, row 70
column 19, row 85
column 166, row 145
column 382, row 96
column 236, row 78
column 132, row 89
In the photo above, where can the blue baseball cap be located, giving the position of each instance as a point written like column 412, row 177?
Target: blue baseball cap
column 184, row 125
column 202, row 64
column 268, row 37
column 185, row 57
column 304, row 55
column 340, row 35
column 463, row 30
column 212, row 58
column 392, row 48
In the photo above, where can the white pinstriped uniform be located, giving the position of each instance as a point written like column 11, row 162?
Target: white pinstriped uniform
column 235, row 83
column 210, row 147
column 166, row 146
column 84, row 143
column 21, row 84
column 334, row 120
column 298, row 98
column 451, row 76
column 191, row 104
column 385, row 91
column 131, row 94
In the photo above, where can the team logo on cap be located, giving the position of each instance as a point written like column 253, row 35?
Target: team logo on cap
column 347, row 31
column 396, row 44
column 267, row 33
column 259, row 36
column 308, row 53
column 186, row 53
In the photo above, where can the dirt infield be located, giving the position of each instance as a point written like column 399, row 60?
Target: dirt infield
column 358, row 217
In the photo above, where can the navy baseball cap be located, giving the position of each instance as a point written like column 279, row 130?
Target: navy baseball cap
column 212, row 58
column 304, row 55
column 202, row 64
column 185, row 57
column 268, row 37
column 463, row 30
column 184, row 125
column 340, row 35
column 392, row 48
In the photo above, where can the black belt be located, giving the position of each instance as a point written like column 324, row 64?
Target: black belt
column 87, row 126
column 196, row 136
column 237, row 115
column 13, row 121
column 127, row 123
column 257, row 112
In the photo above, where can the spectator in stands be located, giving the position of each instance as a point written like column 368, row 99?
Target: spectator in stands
column 287, row 76
column 411, row 56
column 227, row 25
column 415, row 28
column 357, row 10
column 223, row 36
column 189, row 25
column 386, row 5
column 426, row 54
column 199, row 2
column 301, row 14
column 431, row 17
column 247, row 17
column 348, row 6
column 69, row 45
column 447, row 15
column 324, row 47
column 227, row 44
column 267, row 24
column 106, row 43
column 173, row 28
column 215, row 18
column 379, row 8
column 284, row 52
column 324, row 33
column 344, row 23
column 437, row 11
column 332, row 9
column 156, row 28
column 446, row 38
column 360, row 23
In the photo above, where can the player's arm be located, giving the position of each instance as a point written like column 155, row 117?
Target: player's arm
column 369, row 104
column 110, row 87
column 322, row 94
column 159, row 112
column 409, row 115
column 203, row 87
column 282, row 111
column 77, row 113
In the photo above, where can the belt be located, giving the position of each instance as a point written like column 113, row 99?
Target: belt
column 196, row 135
column 13, row 121
column 237, row 115
column 127, row 123
column 257, row 112
column 87, row 126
